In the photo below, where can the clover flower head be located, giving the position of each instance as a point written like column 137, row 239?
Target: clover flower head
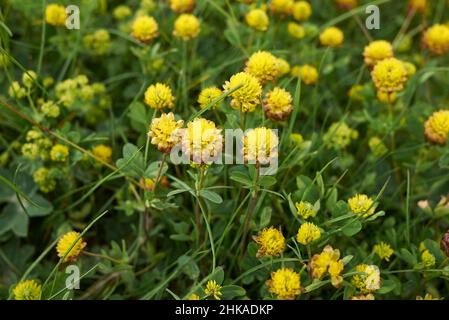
column 283, row 67
column 59, row 153
column 65, row 243
column 436, row 128
column 368, row 278
column 427, row 258
column 281, row 7
column 182, row 6
column 260, row 145
column 383, row 250
column 247, row 96
column 277, row 104
column 436, row 39
column 165, row 132
column 43, row 179
column 27, row 290
column 285, row 284
column 377, row 147
column 332, row 37
column 213, row 289
column 339, row 135
column 103, row 152
column 208, row 95
column 257, row 19
column 271, row 242
column 296, row 30
column 389, row 75
column 145, row 29
column 55, row 15
column 309, row 74
column 263, row 65
column 328, row 261
column 362, row 205
column 187, row 27
column 159, row 96
column 377, row 51
column 305, row 209
column 301, row 10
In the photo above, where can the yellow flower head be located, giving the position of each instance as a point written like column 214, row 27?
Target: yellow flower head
column 202, row 141
column 436, row 128
column 296, row 30
column 281, row 7
column 297, row 139
column 213, row 289
column 187, row 27
column 355, row 92
column 305, row 209
column 257, row 19
column 377, row 147
column 301, row 11
column 122, row 12
column 427, row 258
column 361, row 204
column 418, row 5
column 247, row 97
column 386, row 97
column 66, row 242
column 389, row 75
column 27, row 290
column 411, row 69
column 159, row 96
column 332, row 37
column 260, row 145
column 55, row 15
column 181, row 6
column 307, row 233
column 59, row 153
column 208, row 95
column 339, row 135
column 285, row 284
column 164, row 132
column 377, row 51
column 283, row 67
column 145, row 29
column 346, row 4
column 309, row 74
column 271, row 242
column 383, row 250
column 43, row 180
column 436, row 39
column 263, row 65
column 277, row 104
column 103, row 152
column 327, row 261
column 28, row 78
column 368, row 279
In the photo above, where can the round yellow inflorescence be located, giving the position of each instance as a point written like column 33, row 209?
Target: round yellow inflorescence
column 260, row 145
column 296, row 30
column 247, row 96
column 383, row 250
column 309, row 74
column 181, row 6
column 362, row 205
column 271, row 242
column 307, row 233
column 436, row 39
column 66, row 242
column 263, row 65
column 436, row 128
column 201, row 141
column 285, row 284
column 301, row 11
column 59, row 153
column 103, row 152
column 208, row 95
column 283, row 67
column 332, row 37
column 145, row 29
column 159, row 96
column 164, row 132
column 327, row 261
column 339, row 135
column 277, row 104
column 377, row 51
column 368, row 278
column 43, row 179
column 55, row 15
column 281, row 7
column 187, row 27
column 27, row 290
column 305, row 209
column 389, row 75
column 213, row 289
column 257, row 19
column 346, row 4
column 386, row 97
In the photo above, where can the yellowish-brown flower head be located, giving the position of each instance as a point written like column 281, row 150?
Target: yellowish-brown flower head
column 296, row 30
column 247, row 96
column 257, row 19
column 55, row 15
column 271, row 242
column 436, row 39
column 66, row 242
column 281, row 7
column 377, row 51
column 263, row 65
column 301, row 11
column 285, row 284
column 27, row 290
column 208, row 95
column 389, row 75
column 103, row 152
column 213, row 289
column 307, row 233
column 305, row 209
column 182, row 6
column 164, row 132
column 436, row 128
column 260, row 145
column 159, row 96
column 309, row 74
column 327, row 261
column 418, row 5
column 368, row 278
column 383, row 250
column 362, row 205
column 332, row 37
column 202, row 141
column 145, row 29
column 277, row 104
column 187, row 27
column 346, row 4
column 59, row 153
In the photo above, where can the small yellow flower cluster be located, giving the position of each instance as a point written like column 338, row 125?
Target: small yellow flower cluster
column 356, row 92
column 145, row 29
column 367, row 280
column 305, row 209
column 187, row 27
column 37, row 146
column 327, row 261
column 55, row 15
column 377, row 51
column 383, row 250
column 260, row 145
column 44, row 180
column 263, row 65
column 27, row 290
column 50, row 109
column 339, row 135
column 389, row 75
column 17, row 91
column 257, row 19
column 247, row 96
column 296, row 30
column 436, row 39
column 271, row 242
column 164, row 132
column 159, row 96
column 285, row 284
column 99, row 42
column 213, row 289
column 182, row 6
column 362, row 205
column 377, row 147
column 307, row 233
column 332, row 37
column 309, row 74
column 436, row 127
column 208, row 95
column 103, row 152
column 68, row 247
column 277, row 104
column 281, row 7
column 59, row 153
column 122, row 12
column 427, row 258
column 301, row 10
